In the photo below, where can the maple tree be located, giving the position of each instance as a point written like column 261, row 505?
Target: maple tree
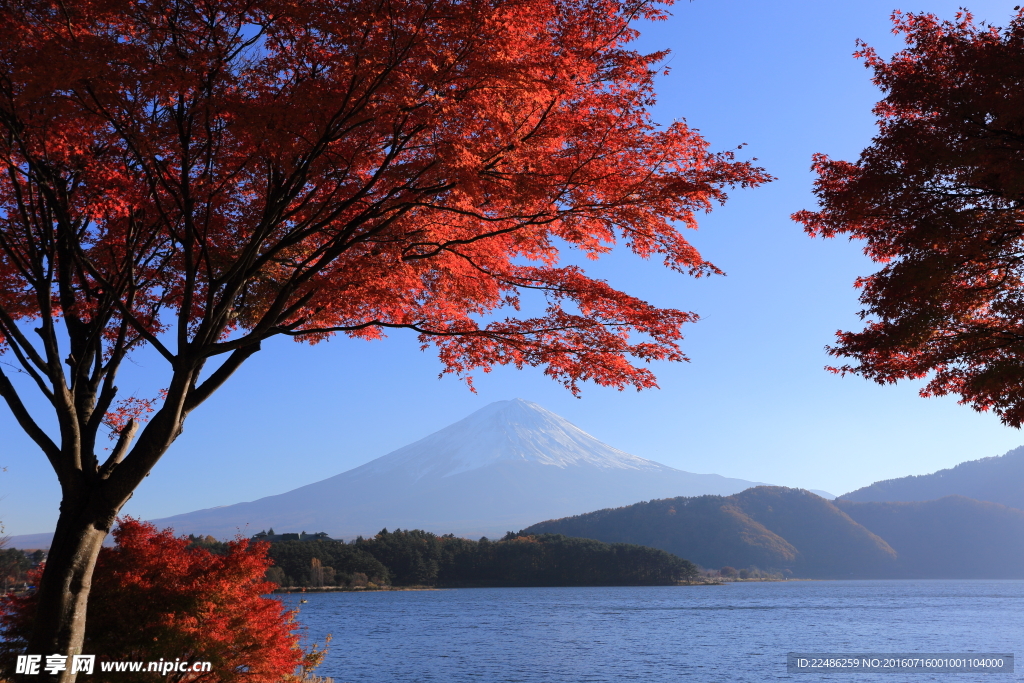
column 197, row 176
column 154, row 598
column 937, row 197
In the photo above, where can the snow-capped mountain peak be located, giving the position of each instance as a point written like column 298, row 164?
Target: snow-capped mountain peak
column 515, row 430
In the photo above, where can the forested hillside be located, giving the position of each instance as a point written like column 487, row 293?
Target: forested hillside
column 792, row 530
column 953, row 537
column 770, row 527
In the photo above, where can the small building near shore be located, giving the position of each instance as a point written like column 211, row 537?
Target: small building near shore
column 271, row 537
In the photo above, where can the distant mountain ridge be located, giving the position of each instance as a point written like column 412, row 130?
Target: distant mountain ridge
column 999, row 479
column 950, row 538
column 794, row 530
column 499, row 469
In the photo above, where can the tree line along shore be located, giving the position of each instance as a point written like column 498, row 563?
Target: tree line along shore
column 403, row 558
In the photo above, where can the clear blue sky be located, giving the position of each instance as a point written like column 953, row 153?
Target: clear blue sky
column 754, row 402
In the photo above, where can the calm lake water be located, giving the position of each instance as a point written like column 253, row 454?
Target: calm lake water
column 736, row 632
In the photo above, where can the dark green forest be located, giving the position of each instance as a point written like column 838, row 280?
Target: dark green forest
column 420, row 558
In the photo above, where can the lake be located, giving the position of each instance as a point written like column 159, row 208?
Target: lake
column 736, row 632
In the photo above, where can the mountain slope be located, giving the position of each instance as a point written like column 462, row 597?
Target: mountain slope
column 999, row 479
column 771, row 527
column 950, row 538
column 503, row 467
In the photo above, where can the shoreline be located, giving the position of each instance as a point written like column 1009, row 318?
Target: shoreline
column 377, row 589
column 346, row 589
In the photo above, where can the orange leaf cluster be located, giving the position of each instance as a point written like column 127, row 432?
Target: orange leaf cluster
column 155, row 598
column 233, row 170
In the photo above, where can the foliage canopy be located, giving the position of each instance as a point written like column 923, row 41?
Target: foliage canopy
column 155, row 597
column 937, row 197
column 201, row 175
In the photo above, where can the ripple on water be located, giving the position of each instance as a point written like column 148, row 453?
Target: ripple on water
column 736, row 633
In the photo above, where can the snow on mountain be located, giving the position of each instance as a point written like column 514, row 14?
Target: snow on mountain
column 506, row 466
column 515, row 431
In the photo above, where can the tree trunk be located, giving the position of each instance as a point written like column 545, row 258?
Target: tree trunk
column 59, row 626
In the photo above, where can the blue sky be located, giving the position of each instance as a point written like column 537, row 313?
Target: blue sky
column 754, row 403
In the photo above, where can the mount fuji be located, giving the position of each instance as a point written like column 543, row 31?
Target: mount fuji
column 504, row 467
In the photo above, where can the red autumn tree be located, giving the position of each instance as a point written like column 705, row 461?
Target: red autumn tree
column 201, row 175
column 156, row 598
column 938, row 198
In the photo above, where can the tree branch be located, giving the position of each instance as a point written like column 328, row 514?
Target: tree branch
column 27, row 423
column 219, row 376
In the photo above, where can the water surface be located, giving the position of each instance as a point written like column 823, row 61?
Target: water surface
column 737, row 632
